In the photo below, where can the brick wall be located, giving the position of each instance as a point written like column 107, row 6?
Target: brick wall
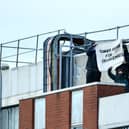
column 58, row 108
column 104, row 91
column 26, row 114
column 91, row 96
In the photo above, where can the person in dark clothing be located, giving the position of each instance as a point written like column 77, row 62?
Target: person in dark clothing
column 93, row 74
column 126, row 54
column 121, row 75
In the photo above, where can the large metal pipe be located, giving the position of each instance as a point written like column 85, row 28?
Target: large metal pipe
column 54, row 55
column 60, row 67
column 46, row 46
column 71, row 60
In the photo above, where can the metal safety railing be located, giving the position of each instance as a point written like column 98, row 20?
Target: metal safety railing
column 17, row 51
column 117, row 29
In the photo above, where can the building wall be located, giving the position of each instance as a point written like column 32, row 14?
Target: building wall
column 91, row 97
column 59, row 107
column 58, row 112
column 113, row 111
column 27, row 81
column 21, row 83
column 26, row 114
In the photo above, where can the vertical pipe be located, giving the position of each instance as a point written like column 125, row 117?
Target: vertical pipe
column 58, row 32
column 43, row 66
column 60, row 75
column 36, row 53
column 117, row 32
column 71, row 60
column 85, row 35
column 17, row 59
column 0, row 55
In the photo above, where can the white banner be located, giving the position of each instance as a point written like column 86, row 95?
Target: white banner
column 109, row 54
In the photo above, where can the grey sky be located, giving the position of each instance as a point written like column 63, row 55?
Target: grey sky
column 22, row 18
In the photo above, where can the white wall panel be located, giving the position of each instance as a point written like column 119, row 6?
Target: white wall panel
column 40, row 113
column 22, row 82
column 79, row 74
column 10, row 118
column 13, row 87
column 4, row 123
column 114, row 111
column 5, row 83
column 77, row 107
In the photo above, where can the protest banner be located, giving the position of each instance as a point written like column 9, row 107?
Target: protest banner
column 109, row 54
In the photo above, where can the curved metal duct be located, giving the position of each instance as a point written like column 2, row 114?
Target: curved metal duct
column 51, row 59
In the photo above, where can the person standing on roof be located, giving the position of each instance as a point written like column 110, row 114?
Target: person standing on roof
column 122, row 71
column 121, row 75
column 93, row 73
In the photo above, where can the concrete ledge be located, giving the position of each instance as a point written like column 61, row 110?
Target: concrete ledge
column 80, row 87
column 14, row 100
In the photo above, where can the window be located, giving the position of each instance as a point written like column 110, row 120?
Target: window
column 77, row 127
column 77, row 109
column 10, row 118
column 40, row 113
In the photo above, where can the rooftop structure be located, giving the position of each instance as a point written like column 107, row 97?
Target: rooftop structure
column 43, row 84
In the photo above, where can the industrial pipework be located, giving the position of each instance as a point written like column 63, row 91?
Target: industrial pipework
column 53, row 57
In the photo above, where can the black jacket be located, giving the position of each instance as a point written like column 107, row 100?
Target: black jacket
column 91, row 62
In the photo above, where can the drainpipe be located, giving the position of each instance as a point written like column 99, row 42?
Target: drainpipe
column 71, row 61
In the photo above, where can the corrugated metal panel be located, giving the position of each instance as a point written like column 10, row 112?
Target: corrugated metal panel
column 40, row 112
column 10, row 118
column 113, row 111
column 5, row 119
column 23, row 82
column 77, row 107
column 79, row 76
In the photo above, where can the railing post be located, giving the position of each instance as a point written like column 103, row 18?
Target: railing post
column 58, row 31
column 117, row 32
column 17, row 58
column 0, row 55
column 60, row 75
column 85, row 35
column 36, row 53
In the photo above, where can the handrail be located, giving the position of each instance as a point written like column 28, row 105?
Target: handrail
column 20, row 50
